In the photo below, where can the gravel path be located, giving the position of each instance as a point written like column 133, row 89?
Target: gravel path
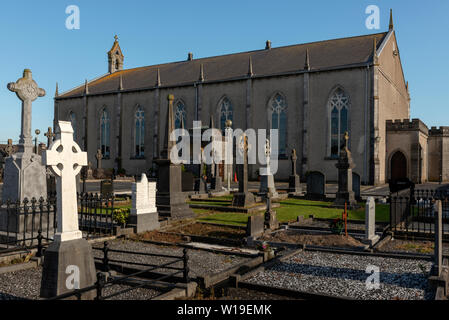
column 20, row 285
column 345, row 276
column 200, row 262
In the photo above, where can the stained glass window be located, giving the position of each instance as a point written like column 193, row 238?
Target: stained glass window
column 339, row 106
column 139, row 133
column 279, row 121
column 105, row 144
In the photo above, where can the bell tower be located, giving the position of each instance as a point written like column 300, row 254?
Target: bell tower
column 115, row 57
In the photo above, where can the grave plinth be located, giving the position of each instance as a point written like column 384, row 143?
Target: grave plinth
column 243, row 198
column 170, row 200
column 345, row 195
column 68, row 261
column 293, row 180
column 144, row 216
column 25, row 176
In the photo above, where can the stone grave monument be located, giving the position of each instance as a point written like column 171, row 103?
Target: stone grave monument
column 345, row 166
column 356, row 185
column 216, row 183
column 68, row 260
column 293, row 180
column 271, row 221
column 25, row 176
column 99, row 172
column 243, row 198
column 107, row 188
column 316, row 186
column 170, row 200
column 266, row 177
column 370, row 222
column 144, row 215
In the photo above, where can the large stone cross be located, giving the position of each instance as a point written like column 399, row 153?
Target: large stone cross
column 66, row 159
column 26, row 90
column 49, row 134
column 9, row 148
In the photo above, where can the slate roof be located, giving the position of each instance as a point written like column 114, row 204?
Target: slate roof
column 323, row 55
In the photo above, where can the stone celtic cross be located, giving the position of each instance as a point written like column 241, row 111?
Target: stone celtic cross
column 26, row 90
column 49, row 134
column 66, row 159
column 9, row 148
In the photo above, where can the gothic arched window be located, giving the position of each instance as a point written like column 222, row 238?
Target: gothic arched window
column 226, row 112
column 278, row 111
column 139, row 132
column 180, row 115
column 72, row 119
column 338, row 109
column 105, row 144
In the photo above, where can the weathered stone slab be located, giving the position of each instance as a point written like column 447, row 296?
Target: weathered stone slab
column 370, row 222
column 316, row 186
column 356, row 185
column 255, row 226
column 144, row 216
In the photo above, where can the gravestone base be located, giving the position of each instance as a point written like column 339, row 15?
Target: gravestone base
column 143, row 222
column 11, row 221
column 24, row 177
column 243, row 199
column 170, row 200
column 267, row 185
column 58, row 257
column 271, row 221
column 371, row 241
column 345, row 197
column 200, row 186
column 293, row 185
column 216, row 184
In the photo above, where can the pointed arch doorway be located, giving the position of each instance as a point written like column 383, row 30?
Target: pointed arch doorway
column 398, row 165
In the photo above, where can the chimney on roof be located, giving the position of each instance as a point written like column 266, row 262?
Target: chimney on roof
column 190, row 56
column 57, row 91
column 268, row 45
column 391, row 25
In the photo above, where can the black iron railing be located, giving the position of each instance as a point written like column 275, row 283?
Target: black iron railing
column 28, row 224
column 103, row 283
column 414, row 215
column 96, row 214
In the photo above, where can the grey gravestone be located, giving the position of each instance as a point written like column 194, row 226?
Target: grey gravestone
column 370, row 222
column 170, row 200
column 107, row 188
column 316, row 186
column 345, row 196
column 188, row 181
column 356, row 185
column 243, row 198
column 143, row 216
column 25, row 176
column 293, row 180
column 255, row 225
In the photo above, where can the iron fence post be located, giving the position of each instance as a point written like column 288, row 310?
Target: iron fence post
column 185, row 259
column 105, row 257
column 100, row 284
column 39, row 243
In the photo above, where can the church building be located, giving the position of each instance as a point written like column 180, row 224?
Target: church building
column 313, row 93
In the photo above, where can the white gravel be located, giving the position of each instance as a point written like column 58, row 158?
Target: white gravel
column 345, row 275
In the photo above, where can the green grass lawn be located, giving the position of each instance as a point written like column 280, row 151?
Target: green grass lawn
column 290, row 209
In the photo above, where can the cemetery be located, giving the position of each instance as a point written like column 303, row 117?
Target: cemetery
column 154, row 238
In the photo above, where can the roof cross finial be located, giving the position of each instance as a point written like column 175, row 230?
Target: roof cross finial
column 115, row 38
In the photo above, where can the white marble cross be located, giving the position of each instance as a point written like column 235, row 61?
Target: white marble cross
column 66, row 159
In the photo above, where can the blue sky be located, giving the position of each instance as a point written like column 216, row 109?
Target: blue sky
column 33, row 35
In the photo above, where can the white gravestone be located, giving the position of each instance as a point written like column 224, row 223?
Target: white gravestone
column 69, row 249
column 370, row 222
column 66, row 159
column 144, row 216
column 267, row 179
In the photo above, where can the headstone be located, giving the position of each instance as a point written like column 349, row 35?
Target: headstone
column 200, row 183
column 188, row 181
column 438, row 254
column 99, row 171
column 356, row 185
column 271, row 221
column 144, row 215
column 243, row 198
column 370, row 222
column 216, row 183
column 170, row 200
column 293, row 180
column 69, row 255
column 266, row 177
column 90, row 172
column 25, row 176
column 107, row 188
column 49, row 134
column 316, row 186
column 255, row 225
column 345, row 196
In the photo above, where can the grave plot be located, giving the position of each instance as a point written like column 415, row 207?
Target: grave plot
column 344, row 275
column 410, row 246
column 200, row 262
column 210, row 230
